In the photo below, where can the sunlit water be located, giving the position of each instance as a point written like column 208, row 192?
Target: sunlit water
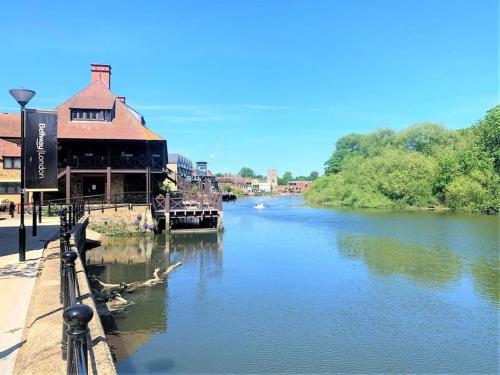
column 295, row 289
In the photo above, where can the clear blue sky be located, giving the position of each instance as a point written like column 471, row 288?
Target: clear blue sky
column 261, row 83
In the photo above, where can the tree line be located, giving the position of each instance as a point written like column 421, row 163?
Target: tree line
column 424, row 165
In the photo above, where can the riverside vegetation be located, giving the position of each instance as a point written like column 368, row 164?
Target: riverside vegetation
column 425, row 165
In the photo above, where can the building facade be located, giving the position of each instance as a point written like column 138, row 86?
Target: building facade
column 180, row 165
column 105, row 149
column 272, row 179
column 10, row 172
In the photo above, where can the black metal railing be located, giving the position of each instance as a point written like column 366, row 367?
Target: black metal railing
column 99, row 201
column 76, row 316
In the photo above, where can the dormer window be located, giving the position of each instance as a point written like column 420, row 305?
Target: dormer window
column 103, row 115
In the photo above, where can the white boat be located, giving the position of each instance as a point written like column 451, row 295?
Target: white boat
column 259, row 206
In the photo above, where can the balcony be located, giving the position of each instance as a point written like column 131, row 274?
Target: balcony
column 82, row 161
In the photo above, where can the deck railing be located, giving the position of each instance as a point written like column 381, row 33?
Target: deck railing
column 81, row 161
column 200, row 200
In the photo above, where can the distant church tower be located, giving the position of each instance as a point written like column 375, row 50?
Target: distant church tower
column 272, row 178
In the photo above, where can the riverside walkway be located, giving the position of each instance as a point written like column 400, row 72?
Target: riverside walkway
column 17, row 280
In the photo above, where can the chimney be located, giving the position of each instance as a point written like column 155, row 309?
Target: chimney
column 121, row 98
column 101, row 72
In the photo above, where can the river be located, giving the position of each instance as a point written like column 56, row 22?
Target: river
column 294, row 289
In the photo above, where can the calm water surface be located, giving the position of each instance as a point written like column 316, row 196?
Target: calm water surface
column 296, row 289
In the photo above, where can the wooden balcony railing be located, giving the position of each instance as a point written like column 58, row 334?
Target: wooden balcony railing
column 81, row 161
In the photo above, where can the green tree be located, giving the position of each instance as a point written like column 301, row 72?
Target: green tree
column 426, row 138
column 287, row 177
column 424, row 164
column 313, row 176
column 246, row 172
column 345, row 147
column 488, row 135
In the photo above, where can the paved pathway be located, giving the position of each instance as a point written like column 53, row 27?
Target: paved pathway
column 16, row 282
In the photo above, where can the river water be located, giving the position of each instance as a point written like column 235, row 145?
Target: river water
column 294, row 289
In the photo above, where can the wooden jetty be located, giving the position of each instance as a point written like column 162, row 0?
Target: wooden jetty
column 194, row 206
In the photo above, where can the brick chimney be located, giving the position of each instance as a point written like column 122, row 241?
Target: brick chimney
column 101, row 72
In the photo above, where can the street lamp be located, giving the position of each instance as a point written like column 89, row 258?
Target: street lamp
column 22, row 96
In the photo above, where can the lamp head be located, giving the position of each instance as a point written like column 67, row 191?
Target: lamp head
column 22, row 96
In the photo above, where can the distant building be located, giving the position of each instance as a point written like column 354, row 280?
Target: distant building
column 180, row 165
column 265, row 187
column 272, row 178
column 202, row 168
column 235, row 182
column 298, row 186
column 202, row 173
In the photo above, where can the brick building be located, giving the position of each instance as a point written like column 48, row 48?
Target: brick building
column 10, row 171
column 104, row 146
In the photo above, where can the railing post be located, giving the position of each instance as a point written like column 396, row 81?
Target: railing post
column 64, row 246
column 77, row 318
column 69, row 290
column 70, row 219
column 74, row 209
column 102, row 206
column 50, row 212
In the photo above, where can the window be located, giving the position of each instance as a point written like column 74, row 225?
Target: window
column 10, row 187
column 11, row 163
column 103, row 115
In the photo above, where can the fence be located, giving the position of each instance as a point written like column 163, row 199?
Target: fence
column 76, row 316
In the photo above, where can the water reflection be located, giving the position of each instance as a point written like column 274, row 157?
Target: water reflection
column 432, row 265
column 486, row 273
column 129, row 259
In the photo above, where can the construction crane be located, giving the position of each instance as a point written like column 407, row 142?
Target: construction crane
column 217, row 146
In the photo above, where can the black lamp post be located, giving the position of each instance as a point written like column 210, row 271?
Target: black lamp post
column 22, row 96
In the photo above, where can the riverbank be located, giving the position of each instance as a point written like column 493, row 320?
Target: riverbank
column 322, row 202
column 122, row 221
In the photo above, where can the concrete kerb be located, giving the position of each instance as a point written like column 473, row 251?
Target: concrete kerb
column 41, row 353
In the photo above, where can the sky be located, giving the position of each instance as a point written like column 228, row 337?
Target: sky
column 261, row 83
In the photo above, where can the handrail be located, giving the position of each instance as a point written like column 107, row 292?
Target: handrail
column 63, row 201
column 76, row 315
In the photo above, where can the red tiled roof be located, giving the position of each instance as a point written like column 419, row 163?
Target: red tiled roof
column 9, row 149
column 94, row 96
column 10, row 125
column 126, row 124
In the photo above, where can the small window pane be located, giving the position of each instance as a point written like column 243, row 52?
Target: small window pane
column 7, row 163
column 3, row 189
column 11, row 189
column 17, row 163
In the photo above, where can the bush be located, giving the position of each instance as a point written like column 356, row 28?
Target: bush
column 467, row 194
